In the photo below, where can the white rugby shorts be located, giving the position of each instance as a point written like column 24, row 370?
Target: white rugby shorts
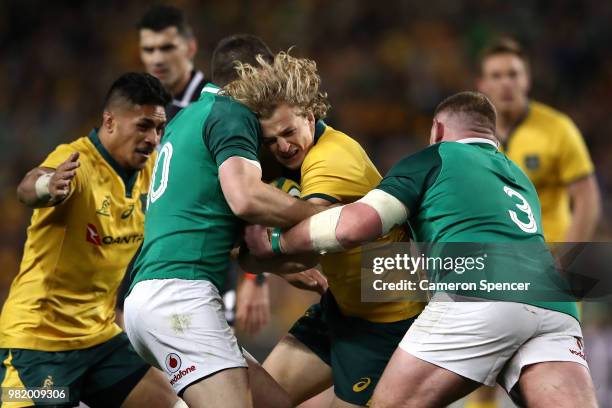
column 491, row 342
column 179, row 326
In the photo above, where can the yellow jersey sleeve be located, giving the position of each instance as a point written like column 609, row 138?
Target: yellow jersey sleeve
column 337, row 169
column 574, row 159
column 57, row 157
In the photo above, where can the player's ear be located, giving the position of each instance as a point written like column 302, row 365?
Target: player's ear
column 108, row 121
column 437, row 132
column 310, row 116
column 310, row 119
column 192, row 48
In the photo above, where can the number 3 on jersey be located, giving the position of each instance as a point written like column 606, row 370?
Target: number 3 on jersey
column 159, row 184
column 524, row 206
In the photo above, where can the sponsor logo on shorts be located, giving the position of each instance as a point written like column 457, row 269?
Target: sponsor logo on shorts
column 173, row 363
column 48, row 383
column 181, row 374
column 362, row 384
column 580, row 351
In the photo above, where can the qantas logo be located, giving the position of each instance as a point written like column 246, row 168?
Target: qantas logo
column 94, row 237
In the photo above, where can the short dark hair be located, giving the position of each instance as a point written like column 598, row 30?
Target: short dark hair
column 137, row 89
column 475, row 105
column 161, row 17
column 503, row 45
column 238, row 47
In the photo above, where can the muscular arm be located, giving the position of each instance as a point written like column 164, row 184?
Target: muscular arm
column 52, row 188
column 346, row 227
column 586, row 209
column 339, row 228
column 358, row 223
column 257, row 202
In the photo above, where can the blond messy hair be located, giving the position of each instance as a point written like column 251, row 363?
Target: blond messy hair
column 287, row 79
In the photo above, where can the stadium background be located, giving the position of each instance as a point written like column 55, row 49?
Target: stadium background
column 384, row 64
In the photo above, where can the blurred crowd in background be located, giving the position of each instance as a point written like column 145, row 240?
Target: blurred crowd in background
column 385, row 66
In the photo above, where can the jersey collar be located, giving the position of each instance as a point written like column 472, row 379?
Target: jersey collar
column 210, row 88
column 127, row 176
column 187, row 95
column 478, row 140
column 320, row 127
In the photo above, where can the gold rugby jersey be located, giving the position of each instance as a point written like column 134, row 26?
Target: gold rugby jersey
column 548, row 147
column 337, row 169
column 76, row 254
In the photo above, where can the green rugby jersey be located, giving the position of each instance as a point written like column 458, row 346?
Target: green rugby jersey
column 189, row 227
column 470, row 192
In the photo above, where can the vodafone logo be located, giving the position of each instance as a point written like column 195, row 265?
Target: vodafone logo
column 92, row 235
column 173, row 363
column 181, row 374
column 579, row 343
column 580, row 351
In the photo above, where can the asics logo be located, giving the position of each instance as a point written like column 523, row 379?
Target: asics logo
column 362, row 384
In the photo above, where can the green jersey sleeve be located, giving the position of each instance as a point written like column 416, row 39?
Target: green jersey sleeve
column 231, row 130
column 412, row 176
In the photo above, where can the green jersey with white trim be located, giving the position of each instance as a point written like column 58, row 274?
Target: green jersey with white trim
column 470, row 192
column 189, row 227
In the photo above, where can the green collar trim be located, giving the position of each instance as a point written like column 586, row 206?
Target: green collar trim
column 127, row 176
column 320, row 127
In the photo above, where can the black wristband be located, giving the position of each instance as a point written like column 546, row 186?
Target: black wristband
column 260, row 279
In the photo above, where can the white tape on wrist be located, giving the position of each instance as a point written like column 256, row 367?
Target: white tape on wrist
column 323, row 231
column 41, row 186
column 391, row 211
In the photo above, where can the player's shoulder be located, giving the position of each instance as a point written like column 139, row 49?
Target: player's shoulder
column 82, row 145
column 431, row 151
column 548, row 116
column 224, row 106
column 332, row 137
column 333, row 144
column 429, row 156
